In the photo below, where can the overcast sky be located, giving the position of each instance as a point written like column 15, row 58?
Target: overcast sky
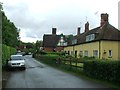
column 37, row 17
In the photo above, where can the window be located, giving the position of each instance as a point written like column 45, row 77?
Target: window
column 86, row 53
column 65, row 44
column 62, row 42
column 95, row 53
column 110, row 53
column 87, row 38
column 72, row 53
column 16, row 57
column 81, row 53
column 74, row 41
column 90, row 37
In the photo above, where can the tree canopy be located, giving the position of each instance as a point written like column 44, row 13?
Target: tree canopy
column 10, row 34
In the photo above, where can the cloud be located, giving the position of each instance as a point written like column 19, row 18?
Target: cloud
column 37, row 17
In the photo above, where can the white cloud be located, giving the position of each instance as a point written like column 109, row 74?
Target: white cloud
column 37, row 17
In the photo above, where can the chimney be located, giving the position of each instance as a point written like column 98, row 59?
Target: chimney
column 86, row 27
column 104, row 18
column 78, row 31
column 54, row 31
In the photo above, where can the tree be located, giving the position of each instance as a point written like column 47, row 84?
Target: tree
column 1, row 6
column 38, row 45
column 9, row 32
column 0, row 22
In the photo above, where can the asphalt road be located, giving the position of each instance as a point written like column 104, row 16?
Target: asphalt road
column 39, row 75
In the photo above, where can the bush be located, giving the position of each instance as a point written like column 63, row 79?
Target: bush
column 42, row 53
column 48, row 59
column 106, row 70
column 6, row 52
column 56, row 53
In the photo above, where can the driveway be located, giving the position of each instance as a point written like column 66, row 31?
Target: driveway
column 39, row 75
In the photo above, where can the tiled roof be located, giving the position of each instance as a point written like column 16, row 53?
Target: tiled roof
column 50, row 40
column 107, row 32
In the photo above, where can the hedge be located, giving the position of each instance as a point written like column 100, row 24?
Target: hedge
column 48, row 59
column 105, row 70
column 51, row 53
column 6, row 52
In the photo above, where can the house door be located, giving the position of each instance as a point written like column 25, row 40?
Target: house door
column 76, row 54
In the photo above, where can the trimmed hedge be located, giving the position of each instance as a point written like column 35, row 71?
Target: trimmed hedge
column 48, row 59
column 55, row 53
column 6, row 52
column 105, row 70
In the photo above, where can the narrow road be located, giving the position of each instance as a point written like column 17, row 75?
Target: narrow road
column 39, row 75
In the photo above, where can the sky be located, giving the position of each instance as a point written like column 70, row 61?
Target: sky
column 35, row 18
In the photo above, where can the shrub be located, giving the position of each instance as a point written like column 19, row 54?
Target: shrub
column 106, row 70
column 48, row 59
column 6, row 52
column 88, row 58
column 42, row 53
column 56, row 53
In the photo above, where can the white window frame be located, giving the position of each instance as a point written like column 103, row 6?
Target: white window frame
column 86, row 53
column 90, row 37
column 74, row 41
column 110, row 53
column 81, row 53
column 72, row 53
column 95, row 53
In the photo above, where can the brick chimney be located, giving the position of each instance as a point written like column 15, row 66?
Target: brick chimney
column 54, row 31
column 104, row 19
column 78, row 31
column 87, row 27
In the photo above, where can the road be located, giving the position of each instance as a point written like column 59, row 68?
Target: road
column 39, row 75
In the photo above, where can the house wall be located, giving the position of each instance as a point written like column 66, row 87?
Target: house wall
column 110, row 45
column 102, row 47
column 119, row 50
column 87, row 47
column 69, row 48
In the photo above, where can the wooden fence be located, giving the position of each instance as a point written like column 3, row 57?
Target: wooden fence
column 72, row 63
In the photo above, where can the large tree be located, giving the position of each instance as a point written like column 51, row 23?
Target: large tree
column 10, row 33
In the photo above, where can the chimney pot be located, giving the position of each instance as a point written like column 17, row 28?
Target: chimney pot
column 54, row 31
column 104, row 18
column 78, row 31
column 86, row 27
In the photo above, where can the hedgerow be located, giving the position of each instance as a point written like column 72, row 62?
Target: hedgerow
column 101, row 69
column 6, row 52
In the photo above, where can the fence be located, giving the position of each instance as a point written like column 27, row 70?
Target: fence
column 77, row 64
column 66, row 63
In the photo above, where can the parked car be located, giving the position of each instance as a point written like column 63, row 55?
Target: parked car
column 16, row 61
column 21, row 53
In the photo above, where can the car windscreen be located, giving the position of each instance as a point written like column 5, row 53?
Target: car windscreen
column 17, row 58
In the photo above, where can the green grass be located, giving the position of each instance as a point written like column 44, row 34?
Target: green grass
column 78, row 64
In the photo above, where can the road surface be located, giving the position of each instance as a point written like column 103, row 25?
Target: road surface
column 39, row 75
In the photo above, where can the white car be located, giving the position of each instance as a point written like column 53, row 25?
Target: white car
column 16, row 61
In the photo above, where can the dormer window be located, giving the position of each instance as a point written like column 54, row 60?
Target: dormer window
column 74, row 41
column 90, row 37
column 62, row 41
